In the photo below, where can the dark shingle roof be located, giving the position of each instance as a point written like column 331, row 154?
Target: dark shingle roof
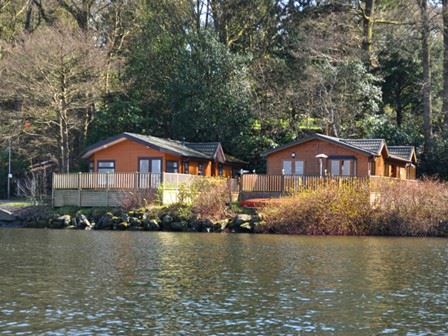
column 199, row 150
column 366, row 146
column 208, row 148
column 402, row 152
column 373, row 146
column 171, row 145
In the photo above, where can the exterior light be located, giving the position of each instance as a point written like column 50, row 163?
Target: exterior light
column 293, row 155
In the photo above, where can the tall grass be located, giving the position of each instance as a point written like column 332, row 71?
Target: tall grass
column 396, row 208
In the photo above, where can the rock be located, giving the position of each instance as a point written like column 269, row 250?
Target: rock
column 7, row 216
column 179, row 226
column 221, row 225
column 167, row 219
column 125, row 217
column 105, row 222
column 60, row 222
column 246, row 226
column 241, row 219
column 151, row 225
column 71, row 227
column 83, row 222
column 135, row 222
column 122, row 226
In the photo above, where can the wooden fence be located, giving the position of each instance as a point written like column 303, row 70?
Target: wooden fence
column 98, row 189
column 288, row 184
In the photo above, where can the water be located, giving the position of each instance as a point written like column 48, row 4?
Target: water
column 136, row 283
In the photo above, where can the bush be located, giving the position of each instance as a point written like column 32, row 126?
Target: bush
column 137, row 199
column 403, row 208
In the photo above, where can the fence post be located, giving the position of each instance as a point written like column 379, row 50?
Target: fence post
column 79, row 189
column 136, row 181
column 282, row 188
column 107, row 189
column 52, row 190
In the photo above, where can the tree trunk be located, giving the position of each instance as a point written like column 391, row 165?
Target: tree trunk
column 368, row 21
column 426, row 87
column 445, row 60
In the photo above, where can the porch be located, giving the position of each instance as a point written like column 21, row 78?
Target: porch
column 109, row 189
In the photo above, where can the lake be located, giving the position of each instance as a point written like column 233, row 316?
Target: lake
column 147, row 283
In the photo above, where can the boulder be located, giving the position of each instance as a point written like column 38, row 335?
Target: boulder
column 121, row 226
column 135, row 222
column 241, row 219
column 125, row 217
column 7, row 216
column 60, row 222
column 167, row 219
column 151, row 225
column 105, row 222
column 83, row 222
column 178, row 226
column 221, row 225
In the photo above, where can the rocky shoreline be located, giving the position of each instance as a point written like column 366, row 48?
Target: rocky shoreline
column 174, row 219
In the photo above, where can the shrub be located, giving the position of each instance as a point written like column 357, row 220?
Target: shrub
column 137, row 199
column 411, row 208
column 403, row 208
column 212, row 199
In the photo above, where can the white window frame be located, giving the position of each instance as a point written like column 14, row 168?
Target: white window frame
column 346, row 167
column 335, row 164
column 299, row 167
column 287, row 169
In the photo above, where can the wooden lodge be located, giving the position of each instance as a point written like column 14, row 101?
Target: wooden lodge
column 130, row 153
column 322, row 155
column 130, row 163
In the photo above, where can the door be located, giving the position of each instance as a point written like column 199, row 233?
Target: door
column 150, row 172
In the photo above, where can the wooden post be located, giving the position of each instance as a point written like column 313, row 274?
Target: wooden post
column 136, row 181
column 52, row 191
column 282, row 188
column 79, row 189
column 107, row 189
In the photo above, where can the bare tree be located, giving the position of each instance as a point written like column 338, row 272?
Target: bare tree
column 425, row 27
column 55, row 76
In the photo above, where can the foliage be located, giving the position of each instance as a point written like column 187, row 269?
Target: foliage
column 404, row 208
column 250, row 74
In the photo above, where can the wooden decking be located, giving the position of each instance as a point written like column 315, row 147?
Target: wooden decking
column 95, row 189
column 98, row 189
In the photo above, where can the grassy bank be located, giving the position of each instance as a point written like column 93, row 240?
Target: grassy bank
column 398, row 209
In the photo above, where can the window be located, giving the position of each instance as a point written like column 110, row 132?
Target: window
column 287, row 168
column 172, row 167
column 201, row 169
column 106, row 167
column 150, row 165
column 299, row 168
column 220, row 169
column 345, row 167
column 186, row 166
column 335, row 167
column 91, row 166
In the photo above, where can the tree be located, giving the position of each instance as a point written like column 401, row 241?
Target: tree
column 53, row 76
column 445, row 60
column 426, row 83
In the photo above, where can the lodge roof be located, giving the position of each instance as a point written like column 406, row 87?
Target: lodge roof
column 197, row 150
column 402, row 152
column 371, row 147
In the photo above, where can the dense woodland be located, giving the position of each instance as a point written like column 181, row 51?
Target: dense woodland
column 251, row 74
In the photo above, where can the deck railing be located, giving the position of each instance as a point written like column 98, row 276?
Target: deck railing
column 288, row 184
column 125, row 181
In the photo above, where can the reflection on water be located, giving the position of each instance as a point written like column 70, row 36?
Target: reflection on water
column 66, row 282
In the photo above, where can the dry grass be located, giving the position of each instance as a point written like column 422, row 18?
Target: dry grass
column 404, row 208
column 212, row 199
